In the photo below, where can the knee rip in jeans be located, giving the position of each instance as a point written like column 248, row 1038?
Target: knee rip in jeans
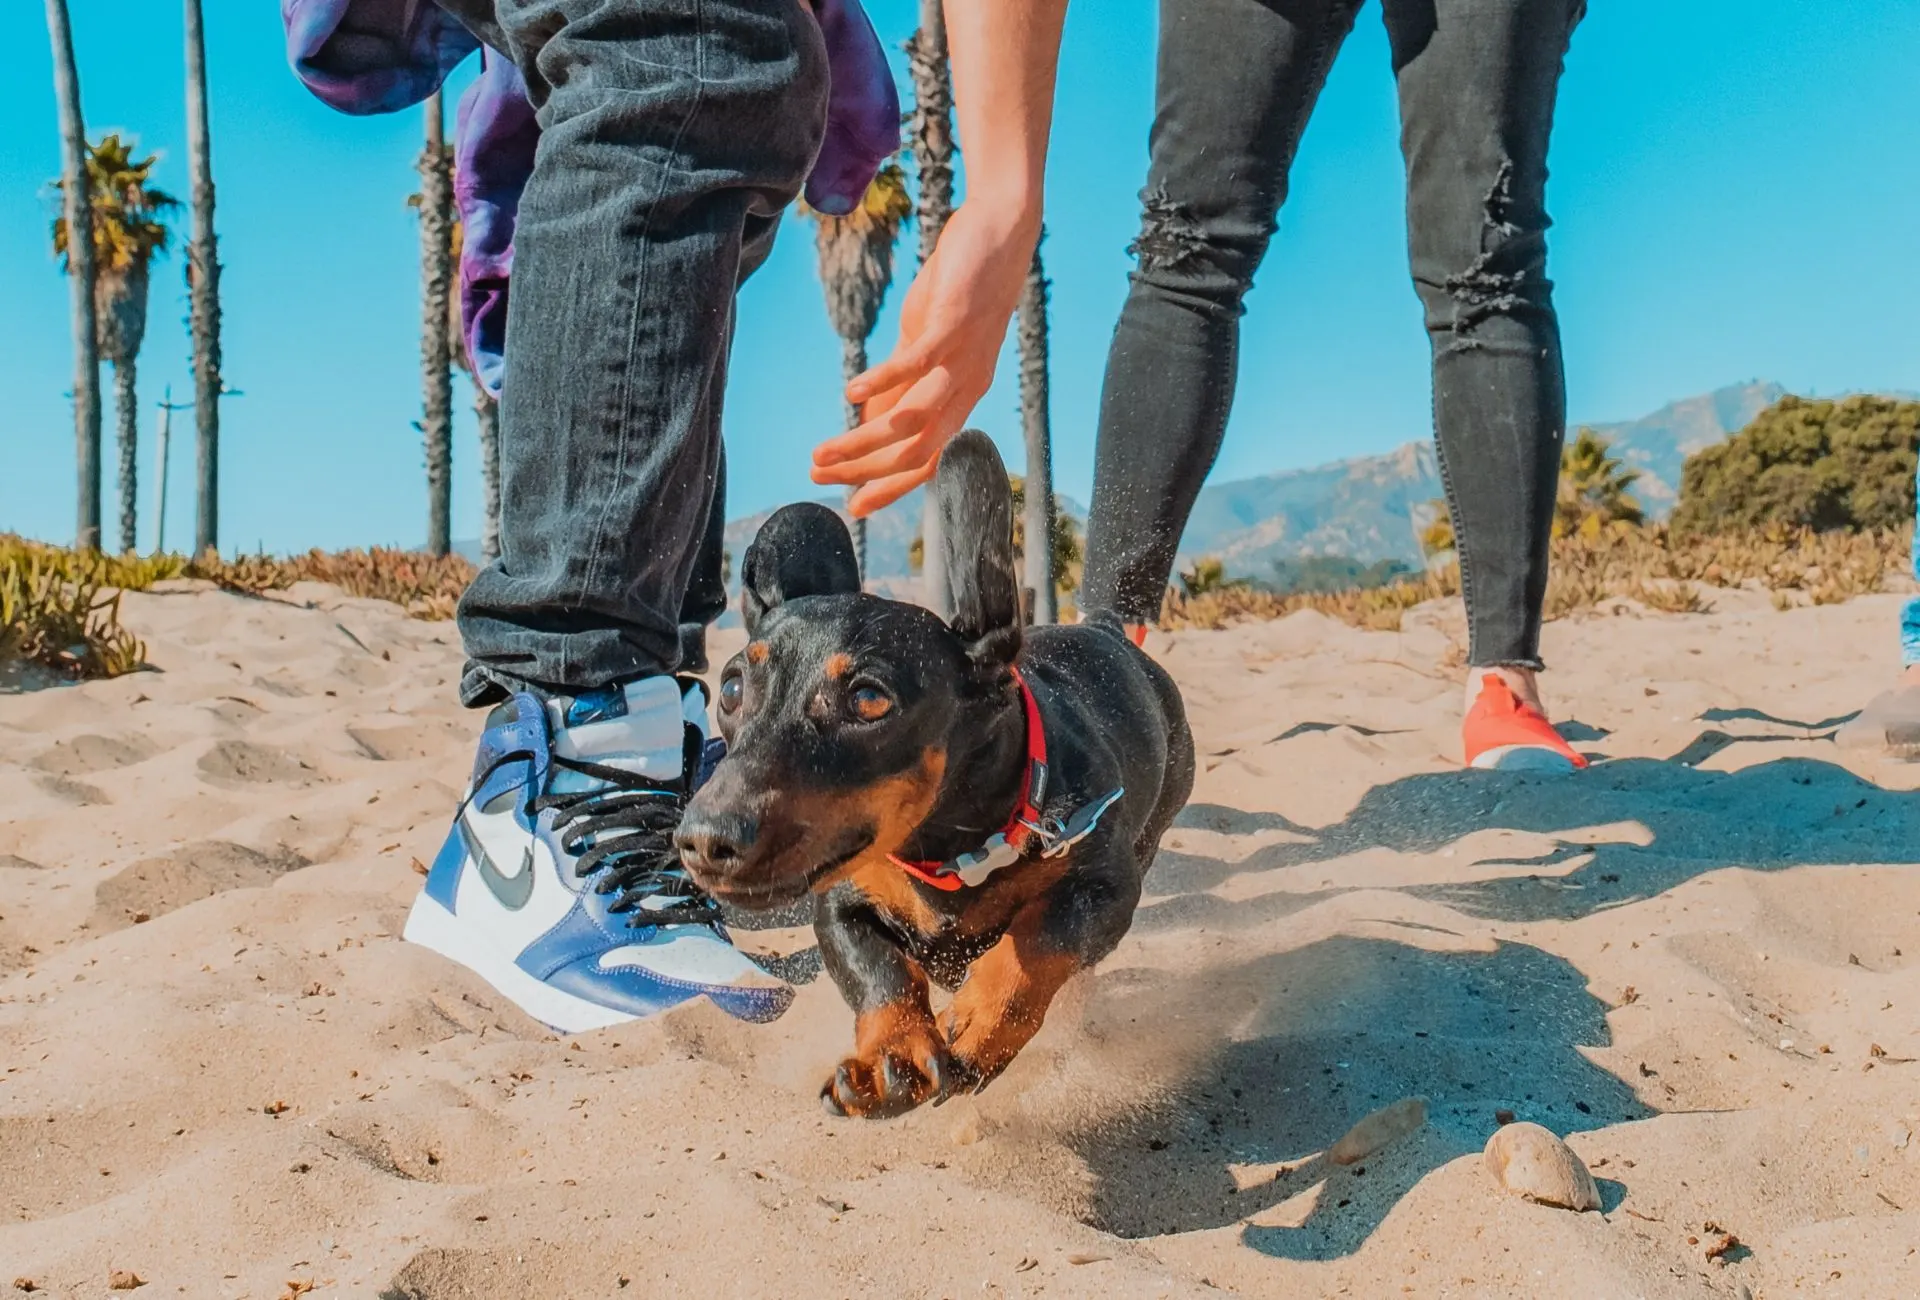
column 1169, row 234
column 1481, row 291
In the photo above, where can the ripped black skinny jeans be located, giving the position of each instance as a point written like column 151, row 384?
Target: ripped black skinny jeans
column 1237, row 81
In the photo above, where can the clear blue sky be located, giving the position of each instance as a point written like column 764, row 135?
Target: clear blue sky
column 1735, row 186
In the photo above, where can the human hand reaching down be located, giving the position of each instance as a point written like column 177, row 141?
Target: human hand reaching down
column 952, row 326
column 1005, row 55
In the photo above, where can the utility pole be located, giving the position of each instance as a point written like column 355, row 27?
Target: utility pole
column 167, row 407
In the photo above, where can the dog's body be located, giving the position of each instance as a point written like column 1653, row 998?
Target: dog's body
column 874, row 751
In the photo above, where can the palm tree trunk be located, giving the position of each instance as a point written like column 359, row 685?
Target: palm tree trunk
column 1036, row 424
column 932, row 122
column 203, row 283
column 933, row 159
column 436, row 361
column 486, row 415
column 81, row 273
column 126, row 404
column 853, row 361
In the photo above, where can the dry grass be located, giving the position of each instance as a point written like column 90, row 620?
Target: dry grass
column 1648, row 565
column 426, row 586
column 59, row 608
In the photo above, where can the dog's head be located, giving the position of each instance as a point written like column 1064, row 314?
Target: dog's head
column 840, row 713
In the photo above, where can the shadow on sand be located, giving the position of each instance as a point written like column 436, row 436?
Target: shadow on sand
column 1791, row 812
column 1290, row 1049
column 1308, row 1041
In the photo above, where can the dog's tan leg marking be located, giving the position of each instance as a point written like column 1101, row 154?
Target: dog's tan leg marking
column 1004, row 998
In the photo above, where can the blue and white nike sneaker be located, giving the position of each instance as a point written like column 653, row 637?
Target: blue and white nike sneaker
column 559, row 883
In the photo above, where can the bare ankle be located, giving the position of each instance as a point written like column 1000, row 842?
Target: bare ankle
column 1523, row 682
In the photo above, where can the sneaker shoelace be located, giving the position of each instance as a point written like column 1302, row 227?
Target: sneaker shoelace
column 622, row 831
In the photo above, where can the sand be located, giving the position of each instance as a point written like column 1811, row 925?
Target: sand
column 221, row 1071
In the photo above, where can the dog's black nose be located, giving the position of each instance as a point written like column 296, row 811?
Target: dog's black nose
column 716, row 840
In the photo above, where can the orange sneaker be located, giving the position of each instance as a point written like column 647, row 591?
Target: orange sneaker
column 1137, row 633
column 1503, row 734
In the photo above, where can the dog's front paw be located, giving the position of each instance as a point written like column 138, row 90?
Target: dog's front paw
column 889, row 1074
column 978, row 1049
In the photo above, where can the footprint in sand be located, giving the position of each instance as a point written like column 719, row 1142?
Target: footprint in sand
column 78, row 793
column 82, row 755
column 155, row 886
column 238, row 764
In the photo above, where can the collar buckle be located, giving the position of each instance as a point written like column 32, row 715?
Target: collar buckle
column 1056, row 836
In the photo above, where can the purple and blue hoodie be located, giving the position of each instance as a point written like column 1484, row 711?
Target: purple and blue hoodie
column 380, row 56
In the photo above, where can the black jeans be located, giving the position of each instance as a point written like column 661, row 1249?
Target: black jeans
column 1237, row 81
column 673, row 135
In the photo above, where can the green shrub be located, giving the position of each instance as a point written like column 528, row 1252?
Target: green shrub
column 1652, row 565
column 55, row 611
column 60, row 608
column 1821, row 465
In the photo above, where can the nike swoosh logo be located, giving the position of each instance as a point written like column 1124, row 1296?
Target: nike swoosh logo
column 512, row 891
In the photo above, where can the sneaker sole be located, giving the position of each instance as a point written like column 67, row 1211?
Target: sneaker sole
column 1521, row 758
column 433, row 927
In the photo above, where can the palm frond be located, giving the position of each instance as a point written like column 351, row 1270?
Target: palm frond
column 129, row 215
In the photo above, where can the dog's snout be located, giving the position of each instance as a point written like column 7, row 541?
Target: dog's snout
column 718, row 840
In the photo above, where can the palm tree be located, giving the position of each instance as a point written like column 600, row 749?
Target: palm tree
column 1067, row 551
column 932, row 122
column 933, row 160
column 486, row 415
column 129, row 231
column 1594, row 488
column 1036, row 424
column 203, row 285
column 436, row 290
column 486, row 418
column 86, row 356
column 856, row 267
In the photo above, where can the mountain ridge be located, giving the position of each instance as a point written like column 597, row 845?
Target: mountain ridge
column 1372, row 508
column 1365, row 508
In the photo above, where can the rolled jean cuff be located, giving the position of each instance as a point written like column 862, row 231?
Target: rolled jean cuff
column 1536, row 664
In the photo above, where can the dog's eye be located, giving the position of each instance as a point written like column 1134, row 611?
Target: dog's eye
column 869, row 702
column 731, row 689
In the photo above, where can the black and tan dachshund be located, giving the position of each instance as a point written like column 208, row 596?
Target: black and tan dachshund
column 974, row 806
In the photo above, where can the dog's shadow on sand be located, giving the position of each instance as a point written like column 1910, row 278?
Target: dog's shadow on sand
column 1791, row 812
column 1306, row 1042
column 1284, row 1052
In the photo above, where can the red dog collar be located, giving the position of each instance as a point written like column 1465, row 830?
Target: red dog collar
column 1025, row 829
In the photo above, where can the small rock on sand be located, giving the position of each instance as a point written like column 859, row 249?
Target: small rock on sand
column 1530, row 1161
column 1388, row 1124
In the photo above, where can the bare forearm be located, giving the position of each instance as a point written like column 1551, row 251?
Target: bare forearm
column 1005, row 57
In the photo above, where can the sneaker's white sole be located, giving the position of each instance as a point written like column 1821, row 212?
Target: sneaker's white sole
column 434, row 927
column 1521, row 758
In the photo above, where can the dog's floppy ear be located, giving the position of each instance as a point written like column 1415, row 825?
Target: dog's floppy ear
column 975, row 507
column 803, row 550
